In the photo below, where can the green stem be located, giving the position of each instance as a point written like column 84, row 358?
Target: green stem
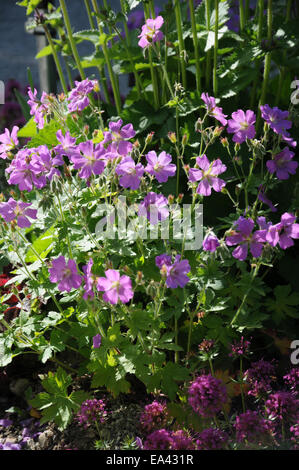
column 242, row 15
column 215, row 82
column 253, row 275
column 176, row 333
column 63, row 219
column 208, row 55
column 56, row 59
column 283, row 69
column 71, row 39
column 88, row 10
column 178, row 19
column 195, row 44
column 260, row 9
column 247, row 10
column 108, row 62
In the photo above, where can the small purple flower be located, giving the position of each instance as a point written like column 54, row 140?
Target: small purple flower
column 263, row 198
column 150, row 32
column 130, row 173
column 5, row 422
column 91, row 412
column 260, row 376
column 89, row 159
column 292, row 379
column 207, row 395
column 43, row 164
column 278, row 122
column 65, row 273
column 282, row 164
column 23, row 173
column 159, row 440
column 162, row 260
column 96, row 341
column 283, row 406
column 67, row 144
column 240, row 348
column 89, row 280
column 139, row 443
column 154, row 416
column 181, row 440
column 207, row 175
column 210, row 243
column 8, row 141
column 160, row 166
column 244, row 237
column 242, row 125
column 252, row 427
column 211, row 439
column 284, row 232
column 213, row 110
column 18, row 210
column 118, row 136
column 116, row 287
column 78, row 97
column 154, row 207
column 177, row 273
column 38, row 108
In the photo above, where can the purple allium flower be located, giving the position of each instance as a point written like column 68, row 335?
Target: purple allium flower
column 210, row 243
column 78, row 97
column 150, row 32
column 89, row 158
column 89, row 280
column 213, row 110
column 8, row 141
column 91, row 412
column 154, row 207
column 240, row 348
column 66, row 273
column 284, row 232
column 207, row 395
column 207, row 175
column 18, row 210
column 252, row 427
column 211, row 439
column 154, row 416
column 160, row 166
column 96, row 341
column 278, row 122
column 294, row 430
column 263, row 198
column 292, row 379
column 159, row 440
column 181, row 440
column 116, row 287
column 259, row 377
column 242, row 125
column 117, row 136
column 244, row 237
column 130, row 173
column 67, row 144
column 282, row 164
column 283, row 406
column 38, row 108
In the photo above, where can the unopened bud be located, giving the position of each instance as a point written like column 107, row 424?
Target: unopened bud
column 149, row 138
column 2, row 198
column 136, row 144
column 170, row 199
column 86, row 128
column 172, row 137
column 139, row 277
column 185, row 139
column 198, row 125
column 12, row 193
column 67, row 171
column 237, row 147
column 224, row 141
column 61, row 97
column 217, row 131
column 180, row 197
column 96, row 87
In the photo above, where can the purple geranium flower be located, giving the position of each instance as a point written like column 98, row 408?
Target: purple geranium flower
column 244, row 237
column 242, row 125
column 279, row 122
column 263, row 198
column 283, row 232
column 150, row 32
column 78, row 97
column 118, row 135
column 17, row 210
column 154, row 207
column 115, row 287
column 96, row 341
column 8, row 141
column 130, row 173
column 38, row 108
column 43, row 164
column 23, row 173
column 213, row 110
column 160, row 166
column 66, row 273
column 89, row 158
column 282, row 164
column 67, row 144
column 207, row 175
column 210, row 243
column 175, row 273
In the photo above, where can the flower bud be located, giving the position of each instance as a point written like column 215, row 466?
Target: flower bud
column 198, row 125
column 170, row 199
column 185, row 139
column 224, row 141
column 180, row 197
column 149, row 138
column 139, row 277
column 172, row 137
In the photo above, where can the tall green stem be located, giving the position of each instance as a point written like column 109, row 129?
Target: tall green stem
column 195, row 44
column 267, row 65
column 178, row 20
column 283, row 69
column 71, row 39
column 260, row 9
column 208, row 55
column 242, row 15
column 253, row 275
column 215, row 82
column 108, row 62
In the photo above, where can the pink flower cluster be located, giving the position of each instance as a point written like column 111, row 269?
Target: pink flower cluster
column 207, row 395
